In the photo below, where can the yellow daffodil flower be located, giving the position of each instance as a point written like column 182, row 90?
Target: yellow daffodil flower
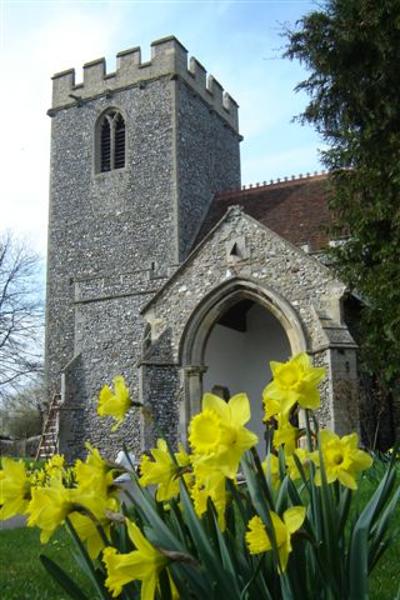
column 273, row 408
column 293, row 381
column 88, row 533
column 205, row 432
column 94, row 473
column 163, row 471
column 304, row 458
column 209, row 483
column 342, row 458
column 49, row 507
column 218, row 431
column 286, row 434
column 14, row 488
column 143, row 564
column 114, row 404
column 86, row 527
column 54, row 467
column 257, row 538
column 271, row 469
column 38, row 478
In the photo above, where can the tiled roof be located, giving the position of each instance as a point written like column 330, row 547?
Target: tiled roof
column 295, row 209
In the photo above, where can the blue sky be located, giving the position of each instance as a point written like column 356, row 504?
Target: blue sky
column 238, row 42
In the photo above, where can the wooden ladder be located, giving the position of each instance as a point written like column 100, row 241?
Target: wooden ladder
column 48, row 444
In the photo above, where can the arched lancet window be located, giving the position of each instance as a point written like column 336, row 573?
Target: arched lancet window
column 105, row 145
column 119, row 142
column 110, row 142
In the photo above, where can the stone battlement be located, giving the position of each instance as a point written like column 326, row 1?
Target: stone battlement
column 168, row 57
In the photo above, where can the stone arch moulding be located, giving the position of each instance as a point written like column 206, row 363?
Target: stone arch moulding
column 96, row 143
column 204, row 317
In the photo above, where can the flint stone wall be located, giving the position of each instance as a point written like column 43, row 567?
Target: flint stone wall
column 203, row 138
column 115, row 237
column 107, row 223
column 272, row 264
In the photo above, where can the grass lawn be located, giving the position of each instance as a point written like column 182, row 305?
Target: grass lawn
column 22, row 576
column 385, row 579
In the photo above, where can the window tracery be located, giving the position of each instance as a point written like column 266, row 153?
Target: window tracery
column 111, row 142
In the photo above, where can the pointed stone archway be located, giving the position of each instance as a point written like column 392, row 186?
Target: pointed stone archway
column 229, row 340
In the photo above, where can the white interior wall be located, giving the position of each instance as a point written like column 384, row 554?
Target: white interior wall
column 240, row 361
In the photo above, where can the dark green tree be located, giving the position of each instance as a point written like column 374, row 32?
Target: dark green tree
column 351, row 49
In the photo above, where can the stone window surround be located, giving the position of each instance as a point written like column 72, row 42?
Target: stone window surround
column 97, row 141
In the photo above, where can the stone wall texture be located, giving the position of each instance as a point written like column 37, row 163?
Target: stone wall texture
column 124, row 287
column 202, row 138
column 276, row 268
column 115, row 237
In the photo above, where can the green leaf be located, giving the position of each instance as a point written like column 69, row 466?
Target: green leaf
column 225, row 555
column 329, row 538
column 93, row 574
column 208, row 555
column 359, row 549
column 62, row 578
column 358, row 567
column 238, row 501
column 380, row 530
column 283, row 496
column 149, row 513
column 244, row 594
column 344, row 509
column 261, row 497
column 255, row 485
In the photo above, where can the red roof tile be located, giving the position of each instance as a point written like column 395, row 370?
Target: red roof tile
column 297, row 210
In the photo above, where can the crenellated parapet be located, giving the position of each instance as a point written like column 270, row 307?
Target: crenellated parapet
column 168, row 57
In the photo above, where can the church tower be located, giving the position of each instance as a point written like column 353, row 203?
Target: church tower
column 136, row 158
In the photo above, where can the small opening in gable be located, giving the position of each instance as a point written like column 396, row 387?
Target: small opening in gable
column 235, row 250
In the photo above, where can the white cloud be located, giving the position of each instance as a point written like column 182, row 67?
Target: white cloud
column 243, row 55
column 65, row 39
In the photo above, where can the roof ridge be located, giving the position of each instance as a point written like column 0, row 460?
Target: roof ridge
column 278, row 182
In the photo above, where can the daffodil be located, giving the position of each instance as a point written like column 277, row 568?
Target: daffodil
column 271, row 469
column 38, row 478
column 209, row 483
column 88, row 532
column 258, row 540
column 205, row 431
column 94, row 473
column 286, row 434
column 144, row 564
column 303, row 457
column 14, row 488
column 342, row 458
column 274, row 407
column 114, row 404
column 293, row 381
column 87, row 526
column 163, row 470
column 48, row 508
column 54, row 467
column 219, row 432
